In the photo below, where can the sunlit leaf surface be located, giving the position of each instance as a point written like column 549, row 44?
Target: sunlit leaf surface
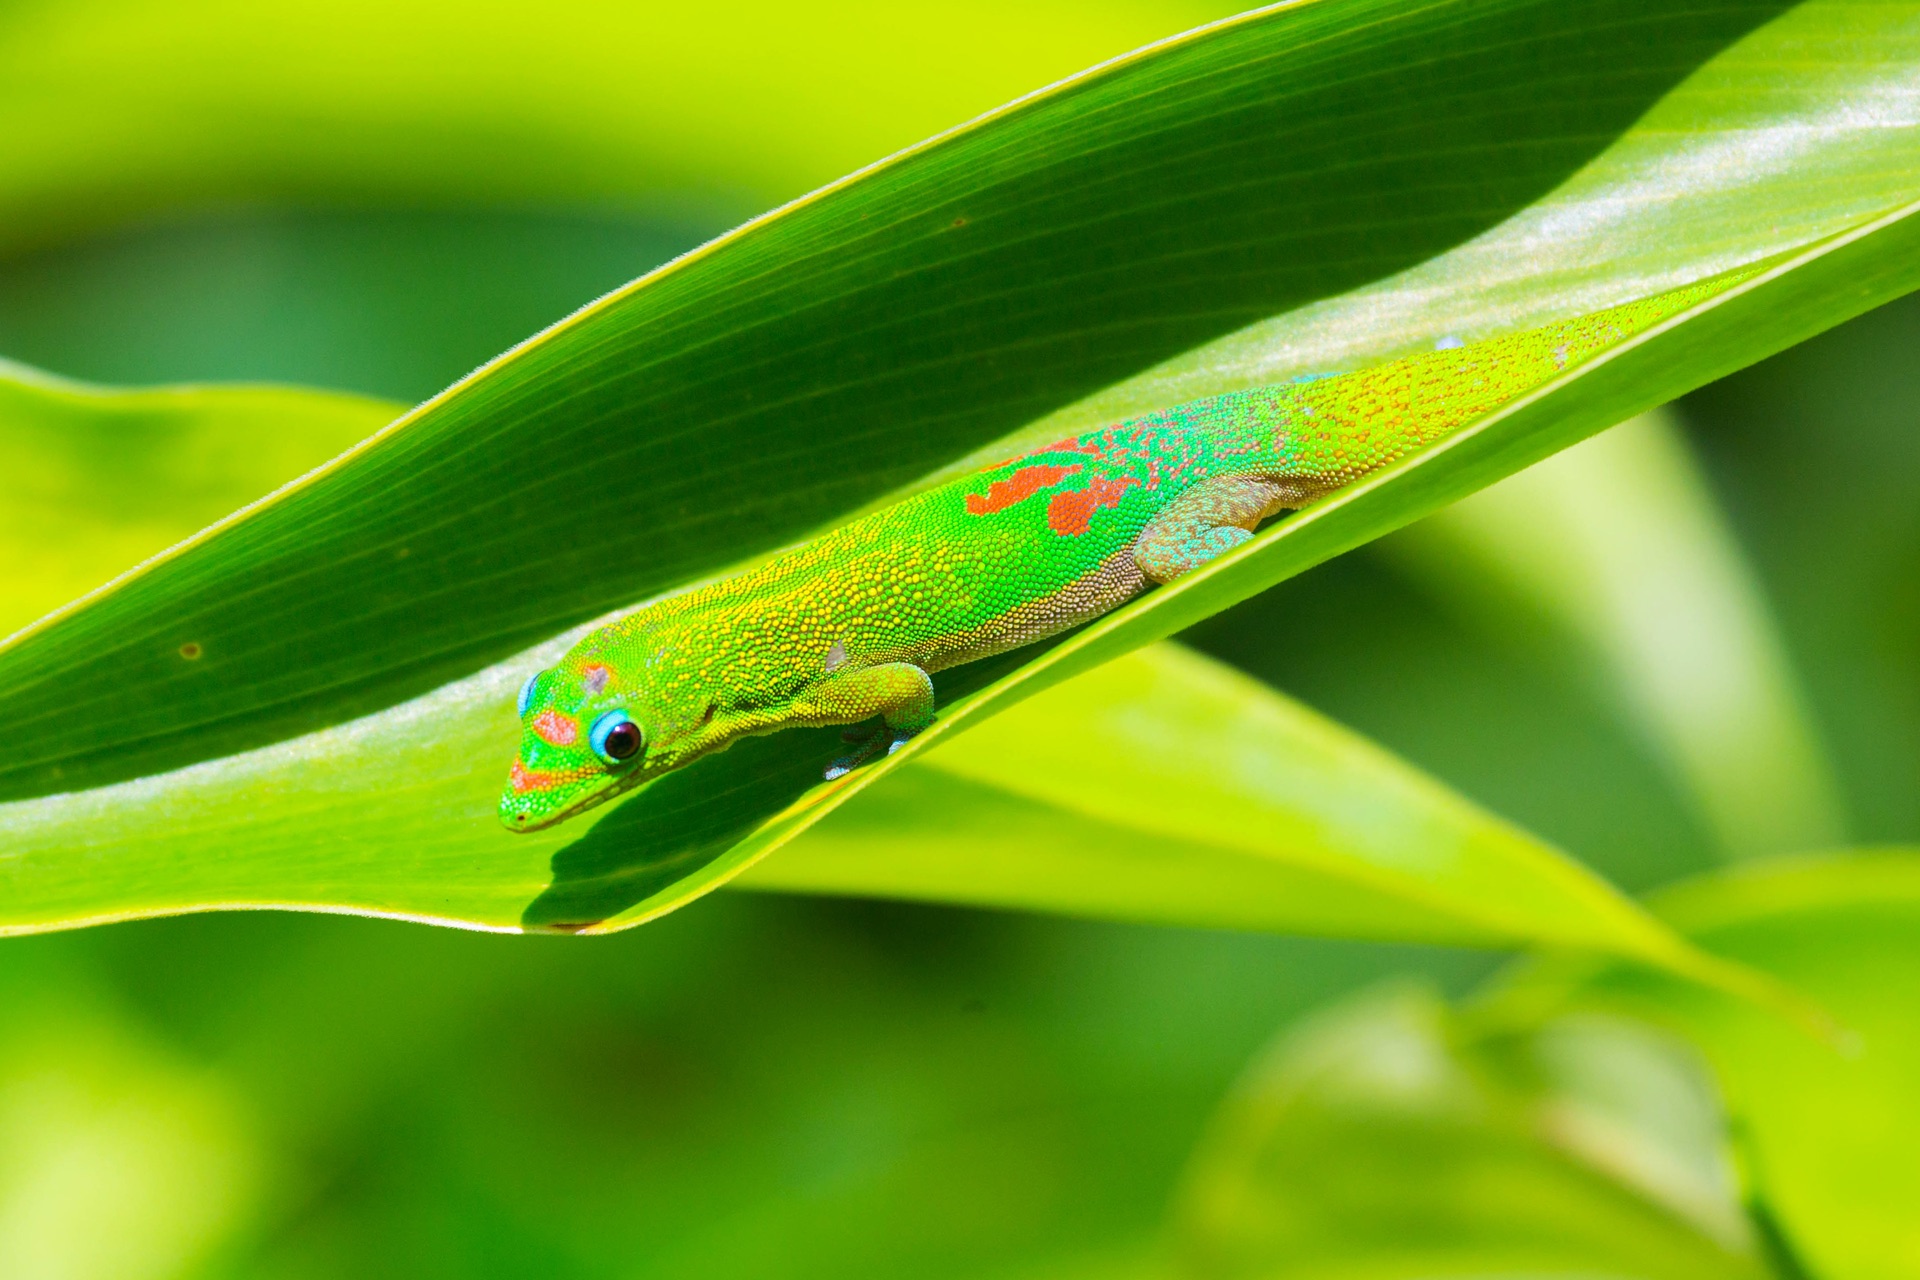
column 1166, row 786
column 1162, row 787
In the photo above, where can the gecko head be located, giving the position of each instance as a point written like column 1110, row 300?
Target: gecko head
column 589, row 734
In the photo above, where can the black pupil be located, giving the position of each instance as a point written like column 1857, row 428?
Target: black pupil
column 623, row 740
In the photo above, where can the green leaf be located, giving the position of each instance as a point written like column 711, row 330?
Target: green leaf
column 1332, row 819
column 1383, row 1140
column 1161, row 786
column 99, row 479
column 1828, row 1136
column 1616, row 551
column 919, row 311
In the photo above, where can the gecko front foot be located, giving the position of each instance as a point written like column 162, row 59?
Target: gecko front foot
column 902, row 695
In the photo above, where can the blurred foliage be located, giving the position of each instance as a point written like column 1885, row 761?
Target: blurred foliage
column 1614, row 552
column 801, row 1087
column 100, row 480
column 118, row 108
column 761, row 1087
column 1828, row 1138
column 121, row 1158
column 1584, row 1145
column 390, row 303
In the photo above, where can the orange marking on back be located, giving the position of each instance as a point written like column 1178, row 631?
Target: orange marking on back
column 1022, row 484
column 1070, row 514
column 1073, row 444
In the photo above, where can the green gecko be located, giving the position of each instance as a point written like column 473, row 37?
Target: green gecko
column 852, row 625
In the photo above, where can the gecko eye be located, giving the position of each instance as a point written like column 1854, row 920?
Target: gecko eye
column 526, row 692
column 615, row 737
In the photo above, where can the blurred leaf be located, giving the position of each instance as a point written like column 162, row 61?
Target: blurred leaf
column 385, row 302
column 114, row 108
column 117, row 1162
column 1380, row 1141
column 1831, row 1140
column 98, row 480
column 1836, row 534
column 1617, row 545
column 768, row 1086
column 963, row 289
column 1165, row 786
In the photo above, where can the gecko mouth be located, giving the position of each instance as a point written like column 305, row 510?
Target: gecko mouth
column 523, row 822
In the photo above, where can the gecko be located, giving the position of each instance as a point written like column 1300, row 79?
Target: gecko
column 852, row 626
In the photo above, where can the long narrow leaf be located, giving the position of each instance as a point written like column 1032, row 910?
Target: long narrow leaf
column 1159, row 787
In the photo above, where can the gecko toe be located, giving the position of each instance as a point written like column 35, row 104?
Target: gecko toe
column 869, row 746
column 846, row 764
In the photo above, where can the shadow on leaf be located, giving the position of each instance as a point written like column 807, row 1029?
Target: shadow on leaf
column 686, row 819
column 677, row 825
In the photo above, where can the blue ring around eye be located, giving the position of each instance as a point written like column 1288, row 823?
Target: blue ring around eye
column 607, row 722
column 526, row 692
